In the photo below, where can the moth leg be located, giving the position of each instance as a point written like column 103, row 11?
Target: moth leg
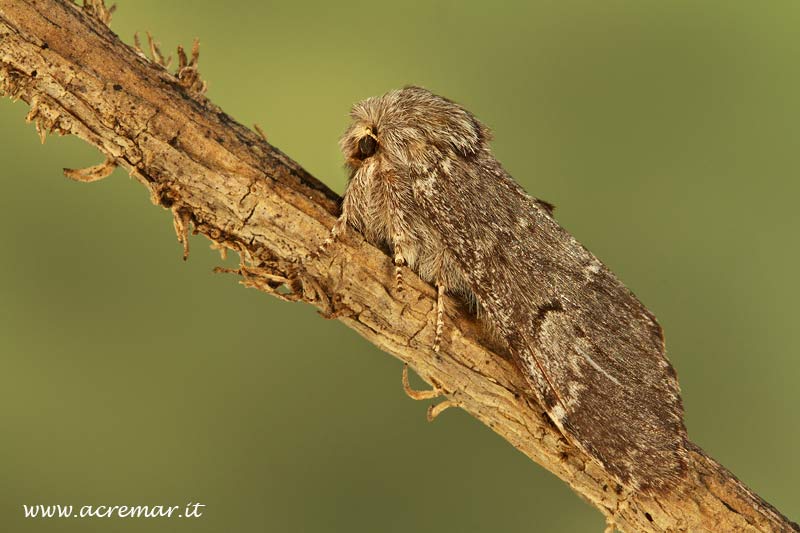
column 436, row 410
column 339, row 228
column 435, row 392
column 399, row 263
column 437, row 340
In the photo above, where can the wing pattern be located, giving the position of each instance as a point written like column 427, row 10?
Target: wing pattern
column 592, row 353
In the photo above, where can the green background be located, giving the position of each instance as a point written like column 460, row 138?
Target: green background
column 665, row 132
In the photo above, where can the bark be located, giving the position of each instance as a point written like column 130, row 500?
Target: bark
column 244, row 195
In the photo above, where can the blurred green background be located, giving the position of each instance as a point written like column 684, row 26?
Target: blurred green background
column 665, row 132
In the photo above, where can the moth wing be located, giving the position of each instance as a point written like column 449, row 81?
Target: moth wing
column 593, row 354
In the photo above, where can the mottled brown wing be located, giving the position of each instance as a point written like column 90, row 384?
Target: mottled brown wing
column 593, row 354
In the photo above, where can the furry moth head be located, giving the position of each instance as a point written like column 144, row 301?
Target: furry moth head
column 405, row 125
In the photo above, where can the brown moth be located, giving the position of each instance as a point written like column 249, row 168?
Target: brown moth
column 425, row 185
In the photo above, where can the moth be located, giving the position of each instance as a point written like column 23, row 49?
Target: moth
column 425, row 186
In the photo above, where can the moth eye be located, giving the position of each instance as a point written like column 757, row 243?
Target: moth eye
column 367, row 146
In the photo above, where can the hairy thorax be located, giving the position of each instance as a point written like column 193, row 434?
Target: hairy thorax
column 381, row 206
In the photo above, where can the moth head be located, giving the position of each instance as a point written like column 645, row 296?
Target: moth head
column 360, row 143
column 410, row 126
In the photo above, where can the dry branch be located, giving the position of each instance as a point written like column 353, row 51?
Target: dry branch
column 245, row 195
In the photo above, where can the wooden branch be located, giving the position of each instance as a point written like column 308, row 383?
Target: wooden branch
column 244, row 195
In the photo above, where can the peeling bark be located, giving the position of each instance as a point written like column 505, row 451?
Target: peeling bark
column 228, row 184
